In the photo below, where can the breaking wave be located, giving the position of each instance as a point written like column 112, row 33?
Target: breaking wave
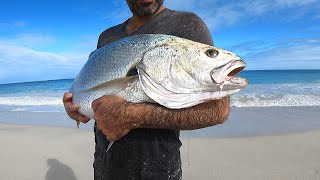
column 266, row 95
column 31, row 101
column 275, row 100
column 236, row 100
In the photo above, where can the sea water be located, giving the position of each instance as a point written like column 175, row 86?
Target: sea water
column 280, row 88
column 39, row 96
column 266, row 88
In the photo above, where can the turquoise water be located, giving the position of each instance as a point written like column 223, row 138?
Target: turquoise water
column 266, row 88
column 282, row 76
column 279, row 88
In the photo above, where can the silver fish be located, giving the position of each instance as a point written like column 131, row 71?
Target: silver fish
column 172, row 71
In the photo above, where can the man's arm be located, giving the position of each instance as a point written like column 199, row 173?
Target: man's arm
column 116, row 117
column 200, row 116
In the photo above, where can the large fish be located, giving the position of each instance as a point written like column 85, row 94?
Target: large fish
column 172, row 71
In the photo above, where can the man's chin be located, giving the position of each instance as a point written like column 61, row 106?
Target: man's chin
column 145, row 11
column 144, row 7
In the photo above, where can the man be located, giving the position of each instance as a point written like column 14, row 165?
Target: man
column 147, row 135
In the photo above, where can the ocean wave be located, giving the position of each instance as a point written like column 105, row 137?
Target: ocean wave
column 275, row 100
column 282, row 89
column 19, row 109
column 237, row 100
column 31, row 101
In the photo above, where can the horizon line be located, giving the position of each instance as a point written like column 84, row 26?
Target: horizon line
column 18, row 82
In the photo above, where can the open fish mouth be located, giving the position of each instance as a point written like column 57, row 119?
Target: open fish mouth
column 225, row 75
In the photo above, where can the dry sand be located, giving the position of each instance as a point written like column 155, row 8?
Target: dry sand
column 38, row 153
column 291, row 156
column 50, row 153
column 255, row 143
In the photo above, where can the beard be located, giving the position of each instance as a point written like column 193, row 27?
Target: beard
column 145, row 9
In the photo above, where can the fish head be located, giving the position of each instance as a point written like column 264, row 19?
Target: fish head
column 202, row 67
column 182, row 73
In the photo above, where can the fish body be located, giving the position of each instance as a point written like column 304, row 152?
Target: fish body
column 171, row 71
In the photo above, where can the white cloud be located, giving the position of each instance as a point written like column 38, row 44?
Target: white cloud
column 30, row 40
column 299, row 54
column 21, row 63
column 217, row 14
column 119, row 14
column 8, row 26
column 20, row 24
column 39, row 56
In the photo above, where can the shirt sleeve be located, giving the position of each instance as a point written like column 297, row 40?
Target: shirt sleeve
column 194, row 28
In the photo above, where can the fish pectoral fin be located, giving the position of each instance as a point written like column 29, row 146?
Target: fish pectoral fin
column 116, row 84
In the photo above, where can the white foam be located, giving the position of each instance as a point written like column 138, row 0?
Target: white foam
column 31, row 101
column 19, row 109
column 237, row 100
column 272, row 100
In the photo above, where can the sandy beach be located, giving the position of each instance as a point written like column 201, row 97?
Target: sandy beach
column 44, row 152
column 50, row 153
column 294, row 157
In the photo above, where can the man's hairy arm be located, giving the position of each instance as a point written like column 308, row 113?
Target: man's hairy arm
column 116, row 117
column 202, row 115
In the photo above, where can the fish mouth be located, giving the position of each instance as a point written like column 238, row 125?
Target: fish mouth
column 225, row 75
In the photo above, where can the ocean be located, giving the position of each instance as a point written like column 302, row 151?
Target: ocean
column 266, row 88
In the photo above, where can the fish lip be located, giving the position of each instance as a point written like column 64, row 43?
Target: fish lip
column 237, row 81
column 232, row 68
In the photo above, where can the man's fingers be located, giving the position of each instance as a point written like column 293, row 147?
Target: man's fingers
column 74, row 107
column 71, row 107
column 79, row 117
column 110, row 136
column 67, row 97
column 95, row 104
column 83, row 119
column 114, row 136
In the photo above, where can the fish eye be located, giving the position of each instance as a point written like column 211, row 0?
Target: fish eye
column 212, row 53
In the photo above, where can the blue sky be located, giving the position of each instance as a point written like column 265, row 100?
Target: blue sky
column 41, row 40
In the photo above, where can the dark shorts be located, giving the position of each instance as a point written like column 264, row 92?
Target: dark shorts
column 143, row 154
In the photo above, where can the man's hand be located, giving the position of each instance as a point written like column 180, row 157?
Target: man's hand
column 112, row 115
column 72, row 109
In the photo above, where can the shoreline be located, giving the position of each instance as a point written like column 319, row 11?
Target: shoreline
column 41, row 119
column 242, row 121
column 263, row 121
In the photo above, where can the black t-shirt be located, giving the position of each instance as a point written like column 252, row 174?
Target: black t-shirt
column 147, row 153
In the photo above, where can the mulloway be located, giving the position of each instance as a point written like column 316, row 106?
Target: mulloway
column 171, row 71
